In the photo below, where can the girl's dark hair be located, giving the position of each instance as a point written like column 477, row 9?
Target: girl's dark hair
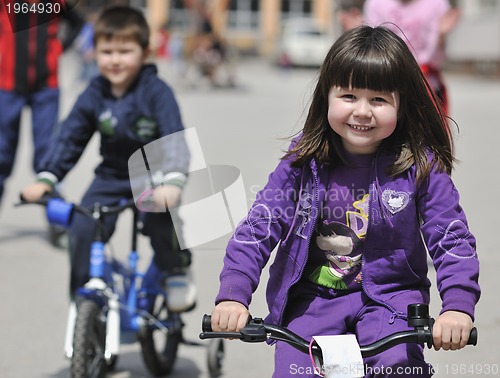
column 122, row 22
column 377, row 59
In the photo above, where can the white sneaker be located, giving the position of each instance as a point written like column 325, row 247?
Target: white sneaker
column 181, row 292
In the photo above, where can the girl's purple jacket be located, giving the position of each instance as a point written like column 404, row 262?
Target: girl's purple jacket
column 405, row 221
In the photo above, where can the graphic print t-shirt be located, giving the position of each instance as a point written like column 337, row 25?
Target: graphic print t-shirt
column 336, row 249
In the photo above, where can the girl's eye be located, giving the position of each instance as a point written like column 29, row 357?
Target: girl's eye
column 348, row 96
column 379, row 99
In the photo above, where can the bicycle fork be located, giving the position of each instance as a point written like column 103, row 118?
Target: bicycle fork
column 96, row 284
column 70, row 329
column 112, row 329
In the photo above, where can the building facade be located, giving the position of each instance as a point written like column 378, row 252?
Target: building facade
column 249, row 25
column 255, row 25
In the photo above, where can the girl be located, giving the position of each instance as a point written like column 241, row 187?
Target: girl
column 350, row 206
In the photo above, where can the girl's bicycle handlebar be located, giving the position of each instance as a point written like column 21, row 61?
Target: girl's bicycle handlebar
column 258, row 331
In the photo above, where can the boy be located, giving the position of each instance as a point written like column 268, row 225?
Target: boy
column 130, row 107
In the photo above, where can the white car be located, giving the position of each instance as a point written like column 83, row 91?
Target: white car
column 303, row 43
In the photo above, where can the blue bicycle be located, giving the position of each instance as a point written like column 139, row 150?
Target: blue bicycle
column 118, row 304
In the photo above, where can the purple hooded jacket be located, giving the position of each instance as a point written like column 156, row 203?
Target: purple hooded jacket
column 404, row 218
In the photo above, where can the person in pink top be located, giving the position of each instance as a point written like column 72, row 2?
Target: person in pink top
column 423, row 24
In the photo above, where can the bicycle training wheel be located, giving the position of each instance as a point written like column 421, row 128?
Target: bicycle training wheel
column 215, row 357
column 159, row 346
column 89, row 342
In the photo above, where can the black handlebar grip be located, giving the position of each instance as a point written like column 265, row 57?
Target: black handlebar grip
column 206, row 323
column 472, row 337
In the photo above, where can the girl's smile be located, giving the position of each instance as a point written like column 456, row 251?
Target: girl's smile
column 362, row 117
column 360, row 128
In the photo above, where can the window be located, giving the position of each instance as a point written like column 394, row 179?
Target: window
column 243, row 14
column 179, row 16
column 295, row 8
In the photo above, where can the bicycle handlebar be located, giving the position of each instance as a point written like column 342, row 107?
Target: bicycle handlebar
column 258, row 331
column 88, row 211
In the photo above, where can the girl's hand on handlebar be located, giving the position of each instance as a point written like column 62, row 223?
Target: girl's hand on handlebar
column 451, row 330
column 35, row 191
column 229, row 316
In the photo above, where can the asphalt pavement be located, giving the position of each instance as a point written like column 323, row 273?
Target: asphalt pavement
column 242, row 127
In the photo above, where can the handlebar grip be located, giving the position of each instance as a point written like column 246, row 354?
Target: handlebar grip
column 473, row 337
column 206, row 323
column 42, row 201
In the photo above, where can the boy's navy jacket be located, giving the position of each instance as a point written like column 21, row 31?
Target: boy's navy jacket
column 146, row 112
column 394, row 265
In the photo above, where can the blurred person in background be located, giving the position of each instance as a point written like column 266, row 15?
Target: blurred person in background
column 85, row 46
column 424, row 25
column 211, row 55
column 30, row 47
column 350, row 13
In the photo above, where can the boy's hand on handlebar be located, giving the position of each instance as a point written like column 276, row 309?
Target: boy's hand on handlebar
column 229, row 316
column 167, row 195
column 451, row 330
column 35, row 191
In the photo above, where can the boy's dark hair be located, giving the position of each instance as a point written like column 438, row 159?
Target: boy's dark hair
column 377, row 59
column 122, row 22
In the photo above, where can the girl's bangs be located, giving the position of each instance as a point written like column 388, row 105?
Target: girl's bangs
column 370, row 71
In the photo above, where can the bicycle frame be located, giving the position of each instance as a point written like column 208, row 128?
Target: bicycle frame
column 124, row 301
column 117, row 301
column 118, row 288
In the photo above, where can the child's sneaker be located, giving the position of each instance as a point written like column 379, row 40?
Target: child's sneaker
column 181, row 292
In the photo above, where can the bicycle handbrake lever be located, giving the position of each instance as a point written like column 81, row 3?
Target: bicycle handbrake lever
column 254, row 332
column 220, row 335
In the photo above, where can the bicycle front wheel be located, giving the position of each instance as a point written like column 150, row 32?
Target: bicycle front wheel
column 89, row 342
column 159, row 346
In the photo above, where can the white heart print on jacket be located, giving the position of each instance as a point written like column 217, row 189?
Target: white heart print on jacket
column 395, row 201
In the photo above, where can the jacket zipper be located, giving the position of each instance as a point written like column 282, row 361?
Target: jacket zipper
column 316, row 203
column 395, row 314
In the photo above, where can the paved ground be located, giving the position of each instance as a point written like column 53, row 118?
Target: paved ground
column 243, row 128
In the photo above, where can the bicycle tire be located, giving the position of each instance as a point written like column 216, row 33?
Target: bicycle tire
column 159, row 349
column 215, row 357
column 89, row 342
